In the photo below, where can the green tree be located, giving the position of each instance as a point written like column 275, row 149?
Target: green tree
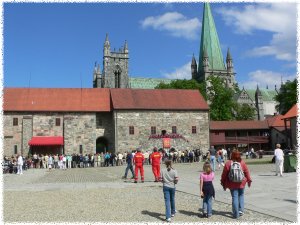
column 220, row 99
column 184, row 84
column 244, row 112
column 287, row 96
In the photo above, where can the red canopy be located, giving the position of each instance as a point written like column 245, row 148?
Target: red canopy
column 45, row 140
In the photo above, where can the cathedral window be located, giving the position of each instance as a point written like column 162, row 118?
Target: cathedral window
column 153, row 130
column 80, row 149
column 131, row 130
column 15, row 121
column 174, row 130
column 194, row 130
column 16, row 149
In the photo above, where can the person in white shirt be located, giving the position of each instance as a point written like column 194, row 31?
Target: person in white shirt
column 278, row 153
column 20, row 164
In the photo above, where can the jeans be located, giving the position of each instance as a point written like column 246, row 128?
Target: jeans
column 129, row 167
column 169, row 195
column 213, row 162
column 237, row 201
column 207, row 205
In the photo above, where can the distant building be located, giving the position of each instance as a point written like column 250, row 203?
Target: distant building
column 291, row 136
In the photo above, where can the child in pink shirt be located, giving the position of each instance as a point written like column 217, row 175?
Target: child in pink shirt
column 207, row 190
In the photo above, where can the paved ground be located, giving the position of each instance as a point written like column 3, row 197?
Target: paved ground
column 100, row 195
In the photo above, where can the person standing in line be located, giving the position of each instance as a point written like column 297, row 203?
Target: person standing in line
column 56, row 161
column 64, row 162
column 278, row 153
column 212, row 153
column 155, row 159
column 207, row 191
column 50, row 162
column 129, row 158
column 235, row 175
column 169, row 178
column 138, row 161
column 46, row 161
column 20, row 164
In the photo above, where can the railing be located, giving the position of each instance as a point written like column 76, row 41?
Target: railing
column 248, row 139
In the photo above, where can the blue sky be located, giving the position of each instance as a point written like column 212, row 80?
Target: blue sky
column 57, row 45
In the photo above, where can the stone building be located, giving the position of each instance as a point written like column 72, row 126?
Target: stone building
column 90, row 120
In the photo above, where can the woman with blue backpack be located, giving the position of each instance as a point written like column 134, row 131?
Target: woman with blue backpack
column 234, row 177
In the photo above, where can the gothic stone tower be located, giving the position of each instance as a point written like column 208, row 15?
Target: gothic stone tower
column 211, row 60
column 259, row 104
column 115, row 68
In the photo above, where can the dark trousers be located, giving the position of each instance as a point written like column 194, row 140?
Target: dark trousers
column 129, row 167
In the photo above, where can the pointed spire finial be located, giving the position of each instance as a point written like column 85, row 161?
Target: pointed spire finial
column 106, row 38
column 228, row 54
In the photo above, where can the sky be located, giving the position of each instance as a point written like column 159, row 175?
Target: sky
column 57, row 44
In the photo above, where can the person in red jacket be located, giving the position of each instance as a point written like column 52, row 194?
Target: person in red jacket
column 138, row 161
column 155, row 159
column 236, row 188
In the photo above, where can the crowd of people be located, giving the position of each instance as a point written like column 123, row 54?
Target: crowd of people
column 234, row 177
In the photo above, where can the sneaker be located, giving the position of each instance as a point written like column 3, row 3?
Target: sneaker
column 135, row 181
column 172, row 215
column 124, row 177
column 168, row 220
column 241, row 213
column 204, row 215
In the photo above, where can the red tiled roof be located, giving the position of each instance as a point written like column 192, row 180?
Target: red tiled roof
column 238, row 125
column 293, row 112
column 158, row 99
column 45, row 140
column 279, row 122
column 57, row 99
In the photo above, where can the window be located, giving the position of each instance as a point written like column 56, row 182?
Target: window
column 216, row 133
column 57, row 122
column 194, row 130
column 174, row 130
column 98, row 121
column 80, row 149
column 131, row 129
column 153, row 130
column 16, row 149
column 15, row 121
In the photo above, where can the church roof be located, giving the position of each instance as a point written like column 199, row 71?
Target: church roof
column 158, row 99
column 210, row 42
column 57, row 99
column 146, row 83
column 267, row 95
column 239, row 125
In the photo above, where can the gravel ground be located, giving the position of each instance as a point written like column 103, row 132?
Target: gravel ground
column 99, row 195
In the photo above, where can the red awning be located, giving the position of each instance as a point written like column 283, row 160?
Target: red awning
column 46, row 140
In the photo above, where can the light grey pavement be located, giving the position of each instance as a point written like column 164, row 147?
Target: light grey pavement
column 270, row 198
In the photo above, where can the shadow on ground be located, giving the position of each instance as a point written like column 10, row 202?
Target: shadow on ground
column 154, row 214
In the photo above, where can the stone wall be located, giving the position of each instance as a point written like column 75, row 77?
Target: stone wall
column 142, row 121
column 27, row 133
column 12, row 134
column 107, row 129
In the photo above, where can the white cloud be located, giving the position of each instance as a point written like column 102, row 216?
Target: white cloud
column 278, row 18
column 183, row 72
column 174, row 23
column 264, row 78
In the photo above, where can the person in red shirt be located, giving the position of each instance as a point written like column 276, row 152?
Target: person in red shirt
column 138, row 161
column 236, row 188
column 155, row 159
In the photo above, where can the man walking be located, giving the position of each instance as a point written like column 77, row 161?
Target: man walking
column 20, row 164
column 138, row 161
column 278, row 153
column 155, row 160
column 129, row 158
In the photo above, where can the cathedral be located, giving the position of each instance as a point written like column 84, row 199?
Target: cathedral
column 211, row 63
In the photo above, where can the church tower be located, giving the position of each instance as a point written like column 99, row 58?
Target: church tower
column 194, row 68
column 259, row 104
column 115, row 67
column 211, row 61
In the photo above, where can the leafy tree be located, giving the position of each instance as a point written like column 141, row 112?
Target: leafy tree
column 184, row 84
column 244, row 112
column 220, row 99
column 287, row 96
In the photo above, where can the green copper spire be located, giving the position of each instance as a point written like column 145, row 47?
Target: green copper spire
column 210, row 42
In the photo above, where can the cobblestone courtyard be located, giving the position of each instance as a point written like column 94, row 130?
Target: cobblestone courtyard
column 100, row 195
